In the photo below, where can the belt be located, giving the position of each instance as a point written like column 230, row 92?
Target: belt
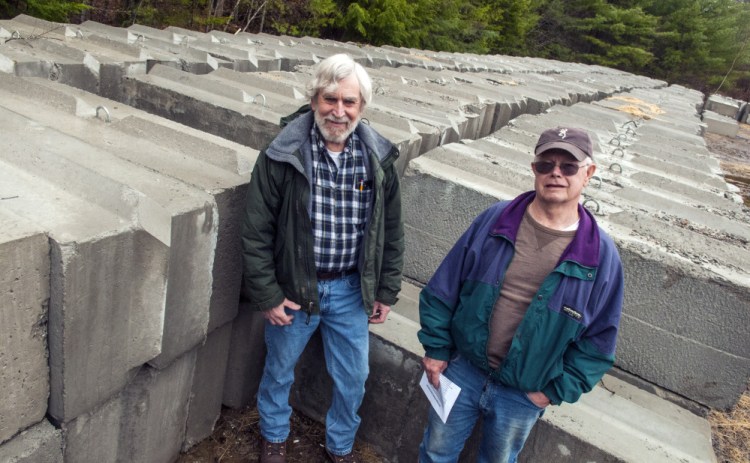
column 323, row 276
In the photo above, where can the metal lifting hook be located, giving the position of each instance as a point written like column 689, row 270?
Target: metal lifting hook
column 106, row 112
column 260, row 95
column 592, row 200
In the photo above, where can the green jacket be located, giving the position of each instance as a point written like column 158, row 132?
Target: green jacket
column 277, row 238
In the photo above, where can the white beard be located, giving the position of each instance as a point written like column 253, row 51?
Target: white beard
column 335, row 135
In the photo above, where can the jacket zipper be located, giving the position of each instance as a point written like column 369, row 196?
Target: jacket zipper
column 304, row 255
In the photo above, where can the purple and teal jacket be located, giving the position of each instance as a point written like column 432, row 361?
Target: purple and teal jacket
column 565, row 342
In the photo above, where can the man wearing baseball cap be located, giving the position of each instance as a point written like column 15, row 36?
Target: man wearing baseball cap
column 524, row 310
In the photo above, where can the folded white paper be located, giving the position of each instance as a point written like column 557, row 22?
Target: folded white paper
column 442, row 399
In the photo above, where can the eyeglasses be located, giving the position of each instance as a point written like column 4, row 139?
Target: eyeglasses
column 568, row 169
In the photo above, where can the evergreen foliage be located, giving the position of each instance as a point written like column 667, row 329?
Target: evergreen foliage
column 698, row 43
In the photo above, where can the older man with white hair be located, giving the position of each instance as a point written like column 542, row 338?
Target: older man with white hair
column 322, row 248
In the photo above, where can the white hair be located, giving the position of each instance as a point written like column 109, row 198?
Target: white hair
column 332, row 70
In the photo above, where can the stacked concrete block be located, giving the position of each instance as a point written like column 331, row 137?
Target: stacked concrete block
column 180, row 217
column 24, row 298
column 724, row 106
column 206, row 392
column 41, row 443
column 246, row 355
column 138, row 213
column 721, row 125
column 139, row 286
column 145, row 422
column 100, row 327
column 86, row 61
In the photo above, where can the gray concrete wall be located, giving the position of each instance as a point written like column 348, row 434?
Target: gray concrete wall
column 126, row 158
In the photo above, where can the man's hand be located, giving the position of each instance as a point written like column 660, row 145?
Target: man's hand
column 380, row 312
column 277, row 315
column 433, row 368
column 538, row 398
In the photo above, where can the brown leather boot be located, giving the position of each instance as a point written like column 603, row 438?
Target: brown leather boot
column 272, row 452
column 348, row 458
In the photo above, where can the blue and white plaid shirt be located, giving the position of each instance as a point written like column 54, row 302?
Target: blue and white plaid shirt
column 340, row 201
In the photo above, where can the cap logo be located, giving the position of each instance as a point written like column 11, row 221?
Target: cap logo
column 562, row 133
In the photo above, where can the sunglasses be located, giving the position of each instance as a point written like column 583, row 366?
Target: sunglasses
column 568, row 169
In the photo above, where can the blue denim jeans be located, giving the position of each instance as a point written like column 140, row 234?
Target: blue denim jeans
column 344, row 329
column 508, row 416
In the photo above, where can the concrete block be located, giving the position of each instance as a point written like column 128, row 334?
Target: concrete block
column 99, row 331
column 724, row 106
column 59, row 62
column 722, row 125
column 209, row 163
column 144, row 423
column 709, row 330
column 94, row 436
column 246, row 358
column 431, row 196
column 155, row 410
column 231, row 119
column 698, row 216
column 24, row 301
column 395, row 372
column 684, row 193
column 41, row 443
column 181, row 217
column 618, row 422
column 646, row 160
column 208, row 386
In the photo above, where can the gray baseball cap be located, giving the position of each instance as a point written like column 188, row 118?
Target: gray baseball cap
column 575, row 141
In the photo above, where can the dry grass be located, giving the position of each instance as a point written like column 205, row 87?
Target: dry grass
column 731, row 432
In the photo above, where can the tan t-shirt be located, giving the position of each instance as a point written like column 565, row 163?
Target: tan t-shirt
column 538, row 250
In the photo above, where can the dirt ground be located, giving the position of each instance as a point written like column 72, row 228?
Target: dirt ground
column 236, row 438
column 734, row 154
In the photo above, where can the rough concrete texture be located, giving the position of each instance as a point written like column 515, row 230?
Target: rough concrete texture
column 24, row 297
column 245, row 363
column 41, row 443
column 155, row 410
column 94, row 436
column 719, row 124
column 102, row 275
column 136, row 170
column 208, row 385
column 725, row 106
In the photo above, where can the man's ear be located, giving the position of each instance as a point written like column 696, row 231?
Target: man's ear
column 590, row 172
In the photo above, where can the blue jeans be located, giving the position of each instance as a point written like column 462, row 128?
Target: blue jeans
column 508, row 416
column 344, row 329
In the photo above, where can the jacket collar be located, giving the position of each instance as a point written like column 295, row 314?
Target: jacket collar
column 584, row 249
